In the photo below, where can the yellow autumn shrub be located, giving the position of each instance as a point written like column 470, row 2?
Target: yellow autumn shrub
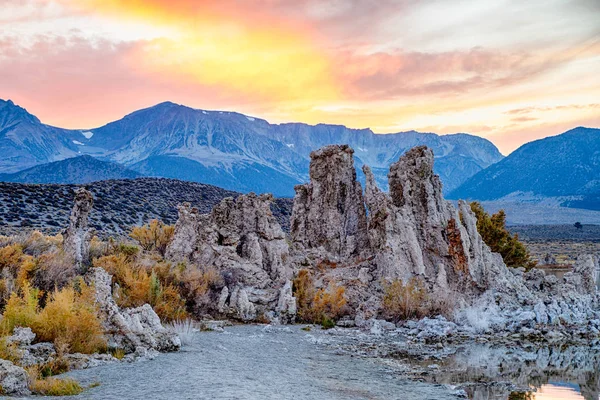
column 153, row 236
column 404, row 300
column 70, row 317
column 322, row 306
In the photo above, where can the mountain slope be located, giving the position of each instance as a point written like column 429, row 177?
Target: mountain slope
column 82, row 169
column 118, row 204
column 25, row 141
column 563, row 165
column 243, row 153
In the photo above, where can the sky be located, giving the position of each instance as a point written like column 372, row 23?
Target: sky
column 511, row 71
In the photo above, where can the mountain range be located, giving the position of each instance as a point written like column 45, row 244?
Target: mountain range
column 564, row 165
column 243, row 153
column 228, row 149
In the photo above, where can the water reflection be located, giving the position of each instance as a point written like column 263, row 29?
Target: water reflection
column 556, row 391
column 492, row 372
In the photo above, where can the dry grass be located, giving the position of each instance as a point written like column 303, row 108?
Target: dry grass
column 70, row 317
column 322, row 306
column 55, row 386
column 154, row 236
column 404, row 300
column 185, row 329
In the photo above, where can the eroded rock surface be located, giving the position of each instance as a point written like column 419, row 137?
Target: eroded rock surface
column 412, row 232
column 243, row 240
column 134, row 329
column 13, row 379
column 329, row 211
column 77, row 236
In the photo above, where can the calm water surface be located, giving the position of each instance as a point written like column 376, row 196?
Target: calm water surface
column 254, row 362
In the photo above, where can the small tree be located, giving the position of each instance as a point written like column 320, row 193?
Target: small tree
column 494, row 233
column 578, row 225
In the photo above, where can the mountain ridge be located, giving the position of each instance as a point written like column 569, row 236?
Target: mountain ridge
column 567, row 164
column 244, row 152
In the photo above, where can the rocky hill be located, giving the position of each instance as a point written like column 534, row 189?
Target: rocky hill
column 118, row 204
column 82, row 169
column 563, row 165
column 227, row 149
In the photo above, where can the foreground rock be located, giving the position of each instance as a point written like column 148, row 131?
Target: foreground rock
column 136, row 330
column 241, row 239
column 329, row 211
column 365, row 241
column 13, row 379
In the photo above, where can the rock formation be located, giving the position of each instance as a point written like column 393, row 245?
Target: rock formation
column 329, row 211
column 134, row 329
column 412, row 232
column 361, row 240
column 77, row 236
column 13, row 379
column 242, row 239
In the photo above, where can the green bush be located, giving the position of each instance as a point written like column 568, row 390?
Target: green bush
column 494, row 233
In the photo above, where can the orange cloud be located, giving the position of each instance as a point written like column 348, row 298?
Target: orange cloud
column 218, row 44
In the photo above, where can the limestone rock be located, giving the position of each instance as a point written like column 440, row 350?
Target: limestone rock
column 77, row 236
column 37, row 354
column 186, row 234
column 13, row 379
column 286, row 306
column 587, row 267
column 329, row 211
column 135, row 330
column 21, row 336
column 243, row 307
column 242, row 239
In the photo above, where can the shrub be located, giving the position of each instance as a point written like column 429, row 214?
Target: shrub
column 154, row 236
column 54, row 386
column 494, row 233
column 10, row 352
column 139, row 285
column 53, row 270
column 11, row 257
column 21, row 310
column 323, row 306
column 404, row 301
column 69, row 319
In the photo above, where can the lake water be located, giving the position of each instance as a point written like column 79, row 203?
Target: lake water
column 254, row 362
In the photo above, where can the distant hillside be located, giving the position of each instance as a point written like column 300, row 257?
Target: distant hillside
column 118, row 204
column 227, row 149
column 563, row 165
column 82, row 169
column 587, row 202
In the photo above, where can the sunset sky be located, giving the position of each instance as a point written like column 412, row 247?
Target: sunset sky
column 508, row 70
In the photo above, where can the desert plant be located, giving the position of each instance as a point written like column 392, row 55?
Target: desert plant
column 153, row 236
column 20, row 310
column 185, row 329
column 494, row 233
column 323, row 306
column 52, row 386
column 71, row 317
column 404, row 300
column 10, row 351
